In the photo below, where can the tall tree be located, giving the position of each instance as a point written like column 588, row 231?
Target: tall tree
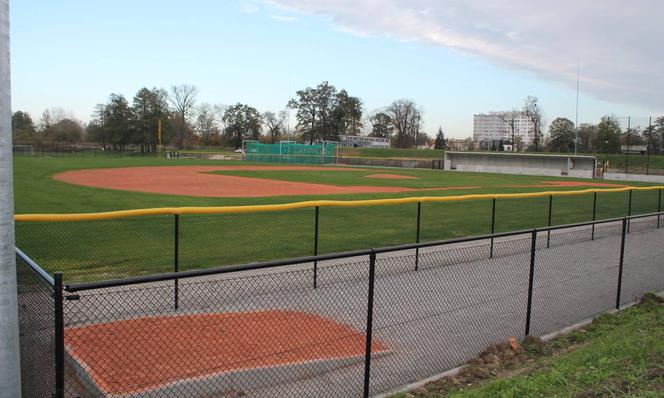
column 561, row 135
column 23, row 128
column 381, row 125
column 658, row 134
column 346, row 114
column 314, row 108
column 206, row 126
column 632, row 136
column 116, row 118
column 242, row 122
column 441, row 142
column 274, row 124
column 587, row 137
column 183, row 99
column 66, row 130
column 534, row 112
column 406, row 118
column 324, row 114
column 148, row 106
column 608, row 135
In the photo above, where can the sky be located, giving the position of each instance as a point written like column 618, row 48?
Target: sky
column 454, row 58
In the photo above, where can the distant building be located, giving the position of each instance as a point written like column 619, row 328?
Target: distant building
column 489, row 129
column 359, row 141
column 458, row 144
column 634, row 149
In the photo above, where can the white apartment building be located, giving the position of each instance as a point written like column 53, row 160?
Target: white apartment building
column 490, row 128
column 361, row 141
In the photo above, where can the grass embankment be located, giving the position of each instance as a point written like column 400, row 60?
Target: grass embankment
column 102, row 249
column 394, row 153
column 637, row 163
column 618, row 354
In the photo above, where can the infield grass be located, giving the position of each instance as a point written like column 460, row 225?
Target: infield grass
column 96, row 250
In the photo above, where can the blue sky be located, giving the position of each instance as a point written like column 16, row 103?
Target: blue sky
column 73, row 54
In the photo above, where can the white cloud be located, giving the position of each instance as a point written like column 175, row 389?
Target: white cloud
column 284, row 18
column 616, row 43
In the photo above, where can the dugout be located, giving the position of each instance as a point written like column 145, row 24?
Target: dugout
column 529, row 164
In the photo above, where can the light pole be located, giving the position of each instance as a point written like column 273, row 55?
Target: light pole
column 10, row 374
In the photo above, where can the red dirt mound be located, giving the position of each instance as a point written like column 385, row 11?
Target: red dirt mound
column 392, row 176
column 196, row 181
column 136, row 355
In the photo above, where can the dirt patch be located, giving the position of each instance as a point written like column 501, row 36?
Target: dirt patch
column 392, row 177
column 136, row 355
column 196, row 181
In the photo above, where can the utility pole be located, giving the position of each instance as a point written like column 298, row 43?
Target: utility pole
column 576, row 121
column 10, row 373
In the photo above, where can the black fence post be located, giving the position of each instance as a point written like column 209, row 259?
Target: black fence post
column 659, row 205
column 370, row 300
column 59, row 336
column 493, row 224
column 629, row 209
column 622, row 261
column 176, row 261
column 417, row 236
column 548, row 234
column 531, row 278
column 594, row 214
column 316, row 247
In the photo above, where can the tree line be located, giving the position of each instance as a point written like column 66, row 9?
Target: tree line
column 321, row 112
column 605, row 136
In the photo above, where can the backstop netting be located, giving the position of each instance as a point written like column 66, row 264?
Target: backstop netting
column 290, row 152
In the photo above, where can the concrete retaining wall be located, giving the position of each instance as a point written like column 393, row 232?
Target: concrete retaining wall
column 634, row 177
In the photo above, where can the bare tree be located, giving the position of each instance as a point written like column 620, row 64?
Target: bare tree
column 206, row 125
column 532, row 110
column 406, row 118
column 274, row 123
column 510, row 119
column 183, row 98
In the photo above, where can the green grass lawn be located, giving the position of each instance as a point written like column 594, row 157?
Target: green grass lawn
column 617, row 355
column 115, row 248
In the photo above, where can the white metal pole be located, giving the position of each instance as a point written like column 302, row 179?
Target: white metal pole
column 576, row 119
column 10, row 374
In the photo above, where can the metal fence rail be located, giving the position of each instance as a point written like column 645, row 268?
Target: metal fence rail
column 376, row 320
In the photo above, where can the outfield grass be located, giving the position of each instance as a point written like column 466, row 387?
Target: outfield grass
column 617, row 355
column 115, row 248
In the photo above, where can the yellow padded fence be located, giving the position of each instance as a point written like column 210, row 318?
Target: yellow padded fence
column 306, row 204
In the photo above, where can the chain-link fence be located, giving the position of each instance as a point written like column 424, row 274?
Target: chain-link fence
column 343, row 324
column 86, row 251
column 635, row 144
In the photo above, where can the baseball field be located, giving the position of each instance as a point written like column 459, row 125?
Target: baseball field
column 86, row 250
